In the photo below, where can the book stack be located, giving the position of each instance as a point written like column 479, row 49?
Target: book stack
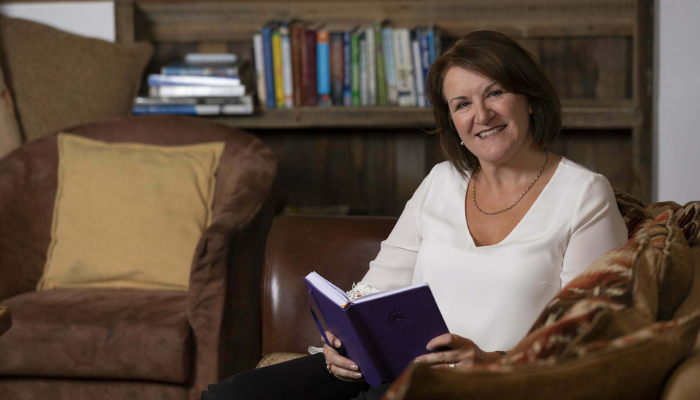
column 202, row 84
column 300, row 64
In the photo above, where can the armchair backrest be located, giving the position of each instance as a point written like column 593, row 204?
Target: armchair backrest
column 338, row 248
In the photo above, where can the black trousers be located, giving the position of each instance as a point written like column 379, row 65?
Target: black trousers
column 304, row 378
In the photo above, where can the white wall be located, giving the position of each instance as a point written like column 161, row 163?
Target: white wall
column 88, row 18
column 677, row 101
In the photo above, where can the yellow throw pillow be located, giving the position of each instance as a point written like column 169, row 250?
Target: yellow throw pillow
column 128, row 214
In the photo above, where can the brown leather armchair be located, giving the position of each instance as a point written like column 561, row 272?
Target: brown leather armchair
column 129, row 343
column 340, row 249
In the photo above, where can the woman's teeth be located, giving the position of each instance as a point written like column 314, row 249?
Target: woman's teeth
column 491, row 131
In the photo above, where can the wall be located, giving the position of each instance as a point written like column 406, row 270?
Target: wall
column 88, row 18
column 677, row 108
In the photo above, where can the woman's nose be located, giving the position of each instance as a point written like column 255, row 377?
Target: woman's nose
column 483, row 114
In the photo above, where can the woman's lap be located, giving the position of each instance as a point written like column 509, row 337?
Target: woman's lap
column 303, row 378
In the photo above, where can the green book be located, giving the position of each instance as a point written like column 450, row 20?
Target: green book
column 355, row 67
column 381, row 80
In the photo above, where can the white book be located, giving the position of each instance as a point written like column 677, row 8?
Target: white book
column 259, row 67
column 287, row 79
column 364, row 86
column 238, row 106
column 418, row 74
column 196, row 91
column 389, row 68
column 210, row 58
column 163, row 80
column 404, row 68
column 371, row 67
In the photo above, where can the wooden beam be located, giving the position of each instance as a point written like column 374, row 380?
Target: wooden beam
column 124, row 21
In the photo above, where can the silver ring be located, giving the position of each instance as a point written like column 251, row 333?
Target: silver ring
column 451, row 365
column 328, row 367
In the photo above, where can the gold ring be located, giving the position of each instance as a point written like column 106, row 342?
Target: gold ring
column 451, row 365
column 328, row 367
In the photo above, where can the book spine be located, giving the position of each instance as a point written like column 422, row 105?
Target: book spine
column 269, row 72
column 381, row 79
column 337, row 68
column 389, row 67
column 355, row 68
column 404, row 68
column 371, row 68
column 208, row 109
column 296, row 32
column 199, row 71
column 364, row 84
column 347, row 93
column 309, row 79
column 417, row 70
column 323, row 67
column 259, row 67
column 431, row 43
column 288, row 84
column 437, row 42
column 196, row 91
column 208, row 58
column 164, row 80
column 279, row 70
column 425, row 60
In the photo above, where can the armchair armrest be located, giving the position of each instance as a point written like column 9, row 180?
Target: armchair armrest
column 338, row 248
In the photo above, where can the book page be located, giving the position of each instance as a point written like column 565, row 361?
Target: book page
column 331, row 291
column 373, row 296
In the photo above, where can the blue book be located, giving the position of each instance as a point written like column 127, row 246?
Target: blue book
column 392, row 92
column 431, row 44
column 186, row 80
column 269, row 73
column 180, row 68
column 178, row 109
column 347, row 92
column 425, row 59
column 323, row 67
column 382, row 332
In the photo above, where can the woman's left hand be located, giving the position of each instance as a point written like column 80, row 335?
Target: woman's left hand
column 459, row 353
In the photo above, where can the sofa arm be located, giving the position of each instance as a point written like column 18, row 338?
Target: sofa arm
column 224, row 294
column 683, row 383
column 338, row 248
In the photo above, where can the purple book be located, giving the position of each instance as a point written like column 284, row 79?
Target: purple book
column 383, row 332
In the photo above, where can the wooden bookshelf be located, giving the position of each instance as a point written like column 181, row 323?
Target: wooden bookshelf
column 598, row 53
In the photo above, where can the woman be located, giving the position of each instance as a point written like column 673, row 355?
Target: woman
column 496, row 231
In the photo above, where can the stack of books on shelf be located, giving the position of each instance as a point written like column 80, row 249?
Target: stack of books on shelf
column 300, row 64
column 203, row 84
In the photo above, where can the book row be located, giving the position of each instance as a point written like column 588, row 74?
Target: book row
column 305, row 65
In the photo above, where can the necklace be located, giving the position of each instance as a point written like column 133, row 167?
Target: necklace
column 476, row 173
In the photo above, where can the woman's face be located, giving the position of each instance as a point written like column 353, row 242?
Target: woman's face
column 493, row 123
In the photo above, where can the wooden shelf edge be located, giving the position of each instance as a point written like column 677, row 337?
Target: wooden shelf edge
column 574, row 117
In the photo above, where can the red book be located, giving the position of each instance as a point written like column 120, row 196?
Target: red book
column 308, row 67
column 296, row 33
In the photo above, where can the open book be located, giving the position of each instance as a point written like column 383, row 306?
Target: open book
column 382, row 332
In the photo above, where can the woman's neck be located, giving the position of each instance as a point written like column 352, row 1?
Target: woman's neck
column 514, row 172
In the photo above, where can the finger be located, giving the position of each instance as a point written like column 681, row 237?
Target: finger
column 341, row 362
column 333, row 340
column 445, row 357
column 448, row 340
column 345, row 373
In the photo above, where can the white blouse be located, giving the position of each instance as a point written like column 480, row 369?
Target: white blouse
column 493, row 294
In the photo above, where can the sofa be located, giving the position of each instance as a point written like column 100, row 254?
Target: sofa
column 130, row 343
column 340, row 248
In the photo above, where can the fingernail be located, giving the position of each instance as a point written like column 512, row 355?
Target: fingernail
column 358, row 375
column 337, row 343
column 416, row 360
column 353, row 367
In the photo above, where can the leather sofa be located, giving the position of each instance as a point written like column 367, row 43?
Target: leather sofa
column 132, row 343
column 340, row 249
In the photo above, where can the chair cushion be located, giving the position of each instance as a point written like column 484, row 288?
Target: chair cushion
column 98, row 333
column 60, row 80
column 10, row 137
column 129, row 214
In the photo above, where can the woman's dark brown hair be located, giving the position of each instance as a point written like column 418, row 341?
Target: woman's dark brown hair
column 498, row 57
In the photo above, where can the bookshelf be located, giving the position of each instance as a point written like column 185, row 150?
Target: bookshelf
column 598, row 53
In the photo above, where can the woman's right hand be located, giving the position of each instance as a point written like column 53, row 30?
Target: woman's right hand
column 341, row 367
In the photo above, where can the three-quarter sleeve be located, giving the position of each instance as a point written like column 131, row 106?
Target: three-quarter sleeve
column 596, row 228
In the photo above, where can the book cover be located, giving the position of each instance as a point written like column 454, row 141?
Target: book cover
column 269, row 72
column 259, row 67
column 404, row 68
column 364, row 82
column 371, row 68
column 210, row 58
column 278, row 68
column 382, row 332
column 196, row 91
column 238, row 106
column 308, row 65
column 337, row 65
column 355, row 68
column 288, row 83
column 177, row 109
column 180, row 68
column 379, row 53
column 296, row 31
column 389, row 66
column 425, row 59
column 417, row 69
column 323, row 66
column 185, row 80
column 347, row 92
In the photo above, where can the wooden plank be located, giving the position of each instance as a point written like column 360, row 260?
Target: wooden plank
column 642, row 95
column 410, row 164
column 613, row 149
column 124, row 24
column 180, row 21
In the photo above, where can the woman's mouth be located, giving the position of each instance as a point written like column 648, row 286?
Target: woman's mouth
column 491, row 131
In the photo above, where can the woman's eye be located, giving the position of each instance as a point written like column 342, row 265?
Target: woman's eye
column 461, row 105
column 496, row 93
